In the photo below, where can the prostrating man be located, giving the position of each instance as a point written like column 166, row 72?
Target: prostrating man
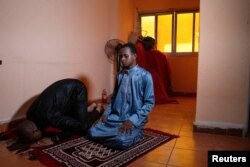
column 123, row 120
column 62, row 105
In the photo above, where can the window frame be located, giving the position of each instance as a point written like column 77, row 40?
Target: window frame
column 174, row 27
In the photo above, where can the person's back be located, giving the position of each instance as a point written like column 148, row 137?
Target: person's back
column 157, row 64
column 62, row 105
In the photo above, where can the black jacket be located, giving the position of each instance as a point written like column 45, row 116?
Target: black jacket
column 62, row 105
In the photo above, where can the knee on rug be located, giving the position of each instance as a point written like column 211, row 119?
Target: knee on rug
column 123, row 142
column 92, row 132
column 95, row 133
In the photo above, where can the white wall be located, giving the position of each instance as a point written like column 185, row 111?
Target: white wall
column 223, row 69
column 42, row 41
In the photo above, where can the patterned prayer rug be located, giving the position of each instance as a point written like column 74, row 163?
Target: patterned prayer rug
column 80, row 152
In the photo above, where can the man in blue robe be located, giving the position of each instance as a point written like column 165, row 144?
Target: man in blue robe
column 123, row 120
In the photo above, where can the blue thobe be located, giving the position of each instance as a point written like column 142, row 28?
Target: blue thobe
column 133, row 99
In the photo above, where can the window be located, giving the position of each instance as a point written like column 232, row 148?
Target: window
column 148, row 23
column 175, row 32
column 164, row 33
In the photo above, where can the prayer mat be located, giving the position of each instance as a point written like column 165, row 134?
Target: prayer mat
column 80, row 152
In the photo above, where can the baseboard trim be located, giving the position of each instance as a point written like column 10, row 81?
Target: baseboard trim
column 218, row 128
column 188, row 94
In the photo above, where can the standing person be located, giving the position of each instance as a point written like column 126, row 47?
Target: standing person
column 157, row 64
column 123, row 120
column 62, row 105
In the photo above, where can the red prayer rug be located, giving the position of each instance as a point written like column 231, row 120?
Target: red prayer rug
column 80, row 152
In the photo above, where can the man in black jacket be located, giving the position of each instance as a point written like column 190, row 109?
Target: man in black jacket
column 62, row 105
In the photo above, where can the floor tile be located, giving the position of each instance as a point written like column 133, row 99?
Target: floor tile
column 188, row 158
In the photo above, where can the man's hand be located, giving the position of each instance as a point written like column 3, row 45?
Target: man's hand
column 101, row 119
column 126, row 127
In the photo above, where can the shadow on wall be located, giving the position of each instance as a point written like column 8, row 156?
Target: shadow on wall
column 20, row 115
column 87, row 83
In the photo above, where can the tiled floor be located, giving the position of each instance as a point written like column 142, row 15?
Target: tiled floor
column 189, row 150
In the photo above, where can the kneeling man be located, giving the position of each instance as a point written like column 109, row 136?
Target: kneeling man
column 123, row 120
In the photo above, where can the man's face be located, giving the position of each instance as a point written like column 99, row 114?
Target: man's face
column 28, row 131
column 128, row 59
column 36, row 133
column 33, row 132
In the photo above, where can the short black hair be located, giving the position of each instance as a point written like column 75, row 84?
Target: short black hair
column 131, row 46
column 148, row 43
column 25, row 131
